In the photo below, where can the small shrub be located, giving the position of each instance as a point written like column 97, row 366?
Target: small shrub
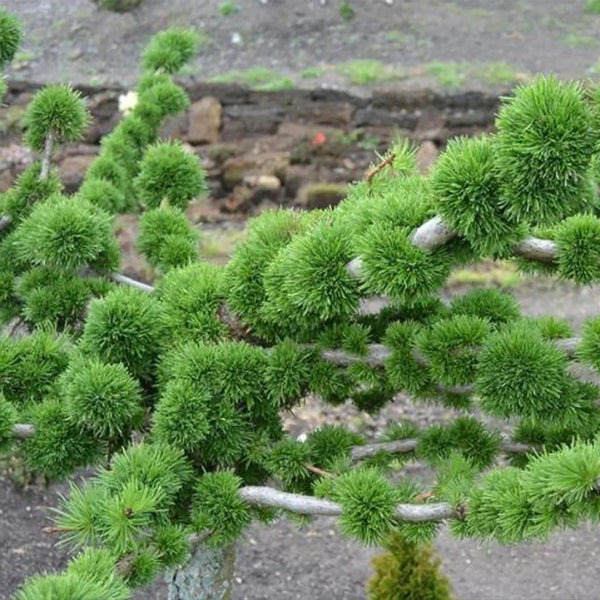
column 366, row 72
column 120, row 6
column 346, row 11
column 593, row 7
column 228, row 8
column 408, row 571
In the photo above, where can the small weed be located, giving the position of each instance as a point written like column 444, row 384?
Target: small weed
column 497, row 72
column 312, row 72
column 446, row 74
column 370, row 143
column 24, row 57
column 578, row 40
column 453, row 75
column 276, row 85
column 367, row 72
column 258, row 78
column 593, row 7
column 228, row 7
column 406, row 39
column 346, row 11
column 398, row 37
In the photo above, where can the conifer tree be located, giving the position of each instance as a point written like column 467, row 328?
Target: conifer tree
column 176, row 391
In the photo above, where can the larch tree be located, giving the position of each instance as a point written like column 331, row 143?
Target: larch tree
column 176, row 391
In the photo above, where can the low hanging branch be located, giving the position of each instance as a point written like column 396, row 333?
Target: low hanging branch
column 357, row 453
column 428, row 237
column 409, row 445
column 308, row 505
column 435, row 233
column 378, row 354
column 125, row 280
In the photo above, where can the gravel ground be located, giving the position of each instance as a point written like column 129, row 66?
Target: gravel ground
column 76, row 41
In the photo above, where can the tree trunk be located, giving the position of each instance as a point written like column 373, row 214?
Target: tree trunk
column 208, row 575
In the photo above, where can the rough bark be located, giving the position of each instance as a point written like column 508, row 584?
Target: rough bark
column 208, row 574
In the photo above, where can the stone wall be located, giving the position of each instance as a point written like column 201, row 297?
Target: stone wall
column 269, row 148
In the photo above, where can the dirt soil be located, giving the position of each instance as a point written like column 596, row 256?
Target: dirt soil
column 76, row 41
column 317, row 563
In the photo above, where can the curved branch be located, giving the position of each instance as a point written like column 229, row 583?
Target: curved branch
column 308, row 505
column 432, row 234
column 435, row 233
column 395, row 447
column 377, row 354
column 539, row 250
column 120, row 278
column 408, row 445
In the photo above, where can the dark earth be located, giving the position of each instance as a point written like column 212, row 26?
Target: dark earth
column 75, row 41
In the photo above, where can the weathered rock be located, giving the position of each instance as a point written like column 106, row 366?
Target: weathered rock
column 219, row 153
column 205, row 120
column 337, row 114
column 265, row 182
column 243, row 120
column 471, row 117
column 11, row 121
column 14, row 159
column 235, row 169
column 426, row 157
column 321, row 195
column 299, row 175
column 175, row 126
column 104, row 107
column 377, row 117
column 298, row 130
column 72, row 170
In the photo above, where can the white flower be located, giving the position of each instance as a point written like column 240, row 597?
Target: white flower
column 127, row 102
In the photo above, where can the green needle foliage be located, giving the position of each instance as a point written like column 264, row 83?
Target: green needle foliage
column 489, row 304
column 170, row 50
column 217, row 507
column 180, row 390
column 161, row 230
column 125, row 327
column 10, row 37
column 522, row 374
column 169, row 174
column 64, row 232
column 467, row 190
column 103, row 399
column 8, row 419
column 29, row 190
column 452, row 348
column 545, row 144
column 60, row 445
column 58, row 111
column 368, row 502
column 578, row 239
